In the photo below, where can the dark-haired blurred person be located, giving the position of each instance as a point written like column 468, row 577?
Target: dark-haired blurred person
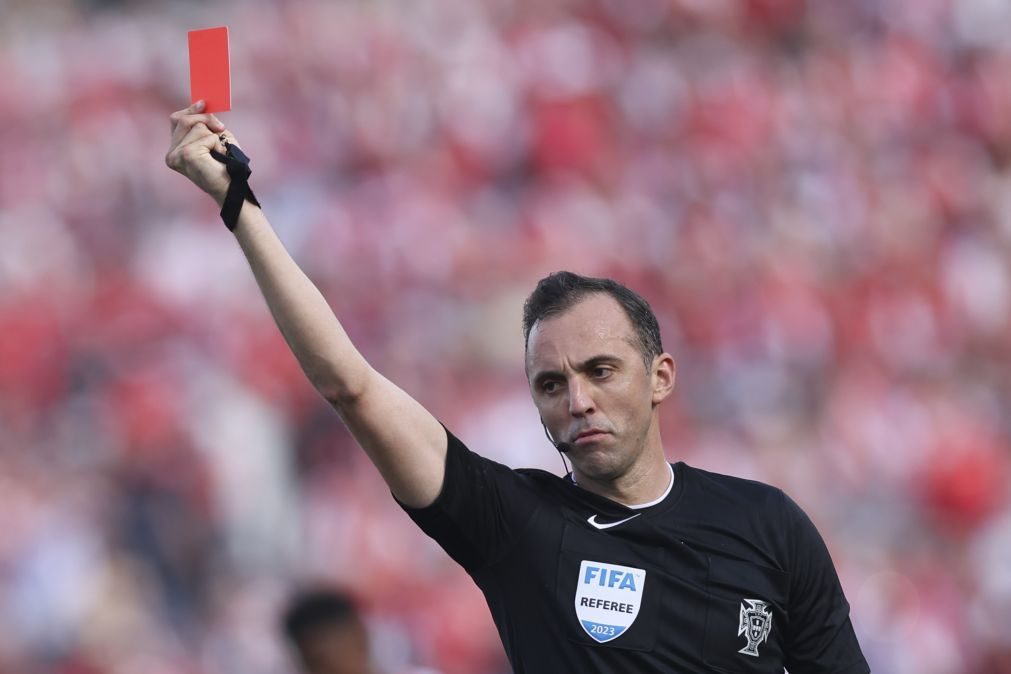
column 327, row 633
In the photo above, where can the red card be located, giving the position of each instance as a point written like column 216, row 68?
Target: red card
column 209, row 68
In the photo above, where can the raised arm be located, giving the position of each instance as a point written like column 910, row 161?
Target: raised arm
column 404, row 441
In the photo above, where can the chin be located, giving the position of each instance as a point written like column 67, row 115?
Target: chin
column 596, row 463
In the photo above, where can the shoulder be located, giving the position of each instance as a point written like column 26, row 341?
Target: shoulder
column 539, row 476
column 718, row 488
column 751, row 499
column 746, row 519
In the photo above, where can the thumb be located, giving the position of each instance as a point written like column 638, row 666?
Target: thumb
column 226, row 135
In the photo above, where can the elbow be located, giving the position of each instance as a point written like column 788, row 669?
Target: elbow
column 341, row 394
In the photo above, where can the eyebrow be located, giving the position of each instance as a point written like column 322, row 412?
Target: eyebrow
column 588, row 364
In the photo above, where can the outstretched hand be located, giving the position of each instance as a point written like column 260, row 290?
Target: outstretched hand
column 194, row 135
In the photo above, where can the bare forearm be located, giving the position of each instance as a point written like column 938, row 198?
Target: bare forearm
column 306, row 321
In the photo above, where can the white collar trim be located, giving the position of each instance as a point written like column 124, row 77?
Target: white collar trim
column 664, row 495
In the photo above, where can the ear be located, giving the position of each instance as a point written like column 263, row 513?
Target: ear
column 664, row 374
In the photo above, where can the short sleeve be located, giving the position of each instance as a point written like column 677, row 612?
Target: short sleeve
column 481, row 509
column 821, row 639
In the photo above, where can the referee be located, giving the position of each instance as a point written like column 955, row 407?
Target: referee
column 628, row 565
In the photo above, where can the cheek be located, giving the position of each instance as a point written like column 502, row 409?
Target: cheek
column 547, row 409
column 636, row 401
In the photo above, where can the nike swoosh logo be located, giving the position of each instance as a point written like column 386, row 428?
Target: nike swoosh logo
column 593, row 522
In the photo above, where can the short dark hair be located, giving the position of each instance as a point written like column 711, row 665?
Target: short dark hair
column 314, row 608
column 561, row 290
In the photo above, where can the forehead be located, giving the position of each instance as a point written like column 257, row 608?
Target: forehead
column 596, row 324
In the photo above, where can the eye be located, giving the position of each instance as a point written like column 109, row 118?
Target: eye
column 549, row 387
column 602, row 372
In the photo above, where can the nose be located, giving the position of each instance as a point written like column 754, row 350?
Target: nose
column 580, row 400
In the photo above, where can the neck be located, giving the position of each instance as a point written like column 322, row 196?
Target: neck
column 644, row 482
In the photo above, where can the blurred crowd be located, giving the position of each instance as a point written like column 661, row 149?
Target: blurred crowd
column 815, row 197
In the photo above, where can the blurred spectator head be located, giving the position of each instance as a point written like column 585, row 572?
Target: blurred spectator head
column 327, row 633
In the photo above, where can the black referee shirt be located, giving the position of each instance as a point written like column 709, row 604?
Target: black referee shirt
column 723, row 575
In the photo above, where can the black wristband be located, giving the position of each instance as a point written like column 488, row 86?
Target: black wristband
column 237, row 164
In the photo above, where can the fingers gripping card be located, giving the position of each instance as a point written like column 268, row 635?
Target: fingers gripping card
column 209, row 68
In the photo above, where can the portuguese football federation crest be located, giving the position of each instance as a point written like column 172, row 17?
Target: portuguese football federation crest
column 608, row 597
column 756, row 623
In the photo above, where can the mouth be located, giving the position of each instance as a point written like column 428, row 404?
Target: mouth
column 589, row 436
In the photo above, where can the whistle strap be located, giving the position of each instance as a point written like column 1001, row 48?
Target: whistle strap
column 237, row 164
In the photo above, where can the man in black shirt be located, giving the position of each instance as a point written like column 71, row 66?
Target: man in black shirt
column 628, row 565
